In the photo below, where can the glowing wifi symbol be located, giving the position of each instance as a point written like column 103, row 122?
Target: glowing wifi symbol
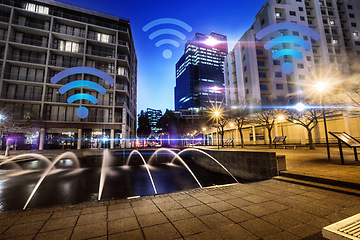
column 82, row 112
column 287, row 67
column 167, row 53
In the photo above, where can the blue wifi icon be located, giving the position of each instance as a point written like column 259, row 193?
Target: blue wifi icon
column 82, row 112
column 167, row 53
column 287, row 67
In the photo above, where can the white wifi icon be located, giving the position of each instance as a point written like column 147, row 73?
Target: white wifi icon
column 167, row 53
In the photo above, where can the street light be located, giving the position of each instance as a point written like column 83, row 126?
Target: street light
column 321, row 87
column 216, row 116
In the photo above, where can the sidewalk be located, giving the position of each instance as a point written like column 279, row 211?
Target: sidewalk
column 269, row 209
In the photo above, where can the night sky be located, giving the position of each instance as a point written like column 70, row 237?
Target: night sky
column 156, row 75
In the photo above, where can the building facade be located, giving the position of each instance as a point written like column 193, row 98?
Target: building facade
column 40, row 38
column 200, row 73
column 154, row 116
column 253, row 77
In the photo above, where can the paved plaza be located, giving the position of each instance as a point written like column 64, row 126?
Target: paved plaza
column 271, row 209
column 268, row 209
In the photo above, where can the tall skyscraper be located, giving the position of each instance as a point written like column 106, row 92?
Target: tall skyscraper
column 252, row 76
column 40, row 38
column 154, row 116
column 200, row 72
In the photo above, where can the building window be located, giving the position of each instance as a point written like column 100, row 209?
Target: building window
column 276, row 62
column 305, row 38
column 36, row 8
column 331, row 13
column 278, row 74
column 302, row 18
column 292, row 13
column 262, row 75
column 350, row 6
column 300, row 65
column 246, row 79
column 357, row 43
column 261, row 63
column 247, row 91
column 308, row 58
column 355, row 34
column 301, row 9
column 295, row 33
column 279, row 86
column 68, row 46
column 298, row 0
column 245, row 68
column 351, row 15
column 264, row 99
column 335, row 41
column 244, row 58
column 301, row 77
column 332, row 22
column 263, row 87
column 353, row 24
column 277, row 14
column 259, row 52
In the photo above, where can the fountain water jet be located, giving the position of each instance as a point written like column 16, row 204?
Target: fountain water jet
column 105, row 164
column 147, row 167
column 178, row 157
column 198, row 150
column 69, row 155
column 19, row 157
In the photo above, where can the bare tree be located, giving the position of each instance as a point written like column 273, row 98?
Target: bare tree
column 240, row 116
column 308, row 119
column 220, row 126
column 266, row 118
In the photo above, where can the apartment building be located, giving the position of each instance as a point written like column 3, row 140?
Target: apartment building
column 40, row 38
column 253, row 77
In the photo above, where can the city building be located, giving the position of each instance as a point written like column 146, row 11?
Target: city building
column 40, row 38
column 154, row 116
column 200, row 72
column 253, row 77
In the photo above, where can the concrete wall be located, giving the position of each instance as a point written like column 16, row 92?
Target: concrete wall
column 247, row 165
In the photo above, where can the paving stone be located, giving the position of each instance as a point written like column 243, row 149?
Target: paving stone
column 208, row 199
column 89, row 231
column 260, row 228
column 281, row 220
column 62, row 214
column 238, row 215
column 303, row 230
column 94, row 210
column 119, row 206
column 121, row 213
column 204, row 235
column 163, row 231
column 131, row 235
column 239, row 202
column 146, row 210
column 167, row 206
column 92, row 218
column 281, row 236
column 221, row 206
column 190, row 226
column 59, row 223
column 215, row 220
column 152, row 219
column 200, row 210
column 234, row 231
column 255, row 199
column 298, row 215
column 122, row 225
column 34, row 218
column 190, row 202
column 178, row 214
column 57, row 234
column 257, row 210
column 162, row 200
column 19, row 230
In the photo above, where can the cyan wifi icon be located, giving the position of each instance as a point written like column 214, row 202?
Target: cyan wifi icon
column 167, row 53
column 82, row 112
column 287, row 67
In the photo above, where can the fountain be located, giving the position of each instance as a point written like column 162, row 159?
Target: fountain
column 67, row 186
column 70, row 155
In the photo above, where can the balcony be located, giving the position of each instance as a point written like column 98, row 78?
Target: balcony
column 110, row 40
column 100, row 53
column 24, row 77
column 22, row 96
column 3, row 37
column 64, row 64
column 72, row 33
column 26, row 58
column 4, row 19
column 32, row 24
column 57, row 46
column 29, row 41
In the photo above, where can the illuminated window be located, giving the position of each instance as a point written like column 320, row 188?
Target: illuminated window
column 332, row 22
column 102, row 37
column 278, row 74
column 36, row 8
column 68, row 46
column 355, row 34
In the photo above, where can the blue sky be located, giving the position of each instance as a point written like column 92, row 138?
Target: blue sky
column 156, row 75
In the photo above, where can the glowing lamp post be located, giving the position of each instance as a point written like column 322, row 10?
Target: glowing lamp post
column 321, row 87
column 217, row 115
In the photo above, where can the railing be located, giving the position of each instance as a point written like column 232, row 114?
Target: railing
column 32, row 24
column 123, row 43
column 25, row 58
column 121, row 87
column 101, row 53
column 23, row 77
column 57, row 98
column 29, row 41
column 57, row 47
column 22, row 96
column 120, row 103
column 72, row 33
column 122, row 57
column 65, row 64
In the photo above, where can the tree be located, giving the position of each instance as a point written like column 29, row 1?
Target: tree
column 169, row 124
column 266, row 118
column 240, row 116
column 144, row 128
column 308, row 119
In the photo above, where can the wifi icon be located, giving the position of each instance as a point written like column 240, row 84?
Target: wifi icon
column 287, row 67
column 167, row 53
column 82, row 112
